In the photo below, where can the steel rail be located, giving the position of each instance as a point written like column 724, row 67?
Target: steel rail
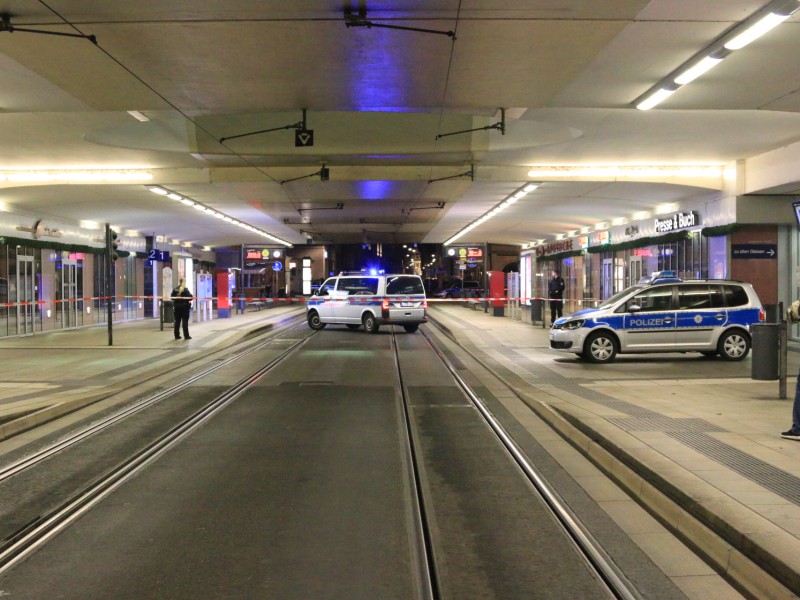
column 88, row 431
column 598, row 560
column 45, row 528
column 422, row 546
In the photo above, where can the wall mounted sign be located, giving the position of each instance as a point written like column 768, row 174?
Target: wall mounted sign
column 766, row 251
column 677, row 221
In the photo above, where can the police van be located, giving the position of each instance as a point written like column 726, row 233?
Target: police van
column 664, row 313
column 369, row 301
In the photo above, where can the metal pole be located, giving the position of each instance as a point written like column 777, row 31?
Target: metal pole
column 109, row 285
column 784, row 351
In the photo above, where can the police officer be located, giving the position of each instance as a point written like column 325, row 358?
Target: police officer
column 182, row 299
column 555, row 293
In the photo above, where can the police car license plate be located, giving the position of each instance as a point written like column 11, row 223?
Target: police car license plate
column 406, row 304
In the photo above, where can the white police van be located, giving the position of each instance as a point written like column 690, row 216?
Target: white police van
column 664, row 313
column 370, row 301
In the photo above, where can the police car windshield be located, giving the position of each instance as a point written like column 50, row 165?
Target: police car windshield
column 619, row 295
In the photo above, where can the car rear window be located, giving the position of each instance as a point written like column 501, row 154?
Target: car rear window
column 735, row 295
column 404, row 285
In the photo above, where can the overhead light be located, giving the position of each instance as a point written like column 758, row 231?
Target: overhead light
column 756, row 30
column 655, row 98
column 162, row 191
column 157, row 190
column 75, row 175
column 508, row 201
column 138, row 116
column 692, row 73
column 626, row 170
column 739, row 36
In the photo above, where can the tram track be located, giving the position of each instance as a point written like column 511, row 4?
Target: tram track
column 616, row 583
column 30, row 460
column 426, row 551
column 36, row 533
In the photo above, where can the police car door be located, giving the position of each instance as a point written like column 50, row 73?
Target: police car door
column 649, row 322
column 323, row 300
column 701, row 314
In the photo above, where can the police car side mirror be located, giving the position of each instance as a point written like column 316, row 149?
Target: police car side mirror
column 634, row 308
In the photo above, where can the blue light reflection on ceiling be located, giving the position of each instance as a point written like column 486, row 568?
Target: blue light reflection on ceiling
column 375, row 189
column 377, row 80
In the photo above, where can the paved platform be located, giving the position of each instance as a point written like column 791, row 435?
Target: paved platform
column 51, row 374
column 694, row 440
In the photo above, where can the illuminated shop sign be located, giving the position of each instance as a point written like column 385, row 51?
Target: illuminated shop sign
column 603, row 238
column 583, row 241
column 680, row 220
column 466, row 253
column 553, row 247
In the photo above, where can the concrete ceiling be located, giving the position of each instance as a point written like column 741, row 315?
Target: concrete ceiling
column 376, row 98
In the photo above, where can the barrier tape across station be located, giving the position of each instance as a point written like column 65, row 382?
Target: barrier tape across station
column 290, row 299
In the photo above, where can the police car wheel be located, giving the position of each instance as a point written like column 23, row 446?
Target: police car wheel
column 733, row 345
column 315, row 322
column 370, row 324
column 600, row 348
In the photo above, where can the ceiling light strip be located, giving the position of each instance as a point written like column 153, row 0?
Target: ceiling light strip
column 759, row 23
column 74, row 175
column 162, row 191
column 498, row 208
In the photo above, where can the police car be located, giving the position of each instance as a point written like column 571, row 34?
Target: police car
column 369, row 301
column 664, row 313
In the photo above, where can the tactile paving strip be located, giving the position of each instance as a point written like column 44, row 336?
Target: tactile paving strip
column 775, row 480
column 665, row 424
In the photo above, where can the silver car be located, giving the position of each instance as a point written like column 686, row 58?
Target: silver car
column 664, row 314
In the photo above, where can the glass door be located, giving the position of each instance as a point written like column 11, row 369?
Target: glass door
column 26, row 296
column 69, row 293
column 607, row 278
column 635, row 269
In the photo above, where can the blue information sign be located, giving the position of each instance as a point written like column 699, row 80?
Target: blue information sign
column 277, row 266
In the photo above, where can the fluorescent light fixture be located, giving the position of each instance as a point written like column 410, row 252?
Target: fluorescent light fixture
column 756, row 30
column 630, row 170
column 619, row 221
column 655, row 98
column 162, row 191
column 138, row 116
column 508, row 201
column 757, row 24
column 157, row 190
column 692, row 73
column 75, row 175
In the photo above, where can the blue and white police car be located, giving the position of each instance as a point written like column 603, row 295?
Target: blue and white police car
column 663, row 313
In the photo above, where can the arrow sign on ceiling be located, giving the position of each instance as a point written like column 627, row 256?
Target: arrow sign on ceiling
column 303, row 138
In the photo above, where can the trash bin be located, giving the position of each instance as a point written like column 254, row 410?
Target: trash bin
column 773, row 313
column 168, row 311
column 537, row 310
column 765, row 364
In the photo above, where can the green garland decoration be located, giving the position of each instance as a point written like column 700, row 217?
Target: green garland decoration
column 720, row 230
column 676, row 236
column 559, row 255
column 48, row 245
